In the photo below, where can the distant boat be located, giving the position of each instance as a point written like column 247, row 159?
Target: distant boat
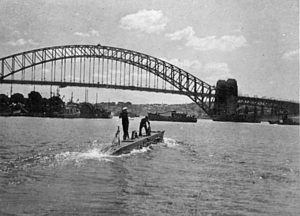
column 94, row 111
column 71, row 111
column 174, row 117
column 102, row 113
column 286, row 122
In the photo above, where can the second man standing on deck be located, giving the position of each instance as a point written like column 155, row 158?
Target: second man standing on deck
column 143, row 124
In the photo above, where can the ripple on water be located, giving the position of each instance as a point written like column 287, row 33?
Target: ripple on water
column 205, row 168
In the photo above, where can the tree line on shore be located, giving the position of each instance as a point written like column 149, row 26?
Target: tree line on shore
column 35, row 104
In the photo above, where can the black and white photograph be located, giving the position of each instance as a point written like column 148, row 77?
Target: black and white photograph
column 149, row 107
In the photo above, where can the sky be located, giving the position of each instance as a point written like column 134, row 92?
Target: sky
column 255, row 42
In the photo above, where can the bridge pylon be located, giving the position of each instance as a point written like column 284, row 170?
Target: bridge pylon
column 226, row 97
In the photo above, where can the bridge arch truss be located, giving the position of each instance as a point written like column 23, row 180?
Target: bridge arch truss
column 103, row 67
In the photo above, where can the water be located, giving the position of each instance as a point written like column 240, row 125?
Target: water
column 55, row 167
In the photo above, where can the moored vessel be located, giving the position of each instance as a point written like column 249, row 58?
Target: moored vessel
column 174, row 117
column 71, row 111
column 88, row 110
column 286, row 122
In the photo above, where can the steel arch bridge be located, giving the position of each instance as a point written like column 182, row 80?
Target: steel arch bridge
column 103, row 67
column 97, row 66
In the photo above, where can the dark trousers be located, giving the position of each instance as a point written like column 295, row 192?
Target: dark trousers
column 125, row 131
column 141, row 128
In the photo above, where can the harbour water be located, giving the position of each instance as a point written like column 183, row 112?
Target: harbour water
column 55, row 167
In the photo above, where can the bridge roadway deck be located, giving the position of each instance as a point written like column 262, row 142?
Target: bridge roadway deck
column 242, row 100
column 99, row 85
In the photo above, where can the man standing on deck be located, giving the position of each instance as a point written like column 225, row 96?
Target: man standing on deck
column 125, row 122
column 143, row 124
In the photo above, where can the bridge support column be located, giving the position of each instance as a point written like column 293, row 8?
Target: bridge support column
column 255, row 111
column 262, row 110
column 246, row 110
column 272, row 111
column 226, row 97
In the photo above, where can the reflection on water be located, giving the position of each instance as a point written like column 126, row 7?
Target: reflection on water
column 57, row 167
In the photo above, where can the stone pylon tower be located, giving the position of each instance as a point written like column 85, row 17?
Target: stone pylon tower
column 226, row 97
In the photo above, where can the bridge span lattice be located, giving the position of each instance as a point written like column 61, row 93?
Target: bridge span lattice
column 97, row 66
column 103, row 67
